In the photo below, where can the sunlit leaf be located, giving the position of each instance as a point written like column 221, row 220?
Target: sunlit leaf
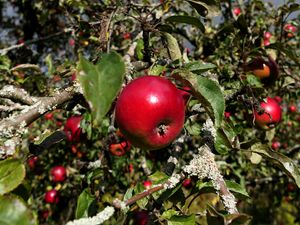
column 84, row 204
column 12, row 173
column 101, row 83
column 13, row 211
column 280, row 160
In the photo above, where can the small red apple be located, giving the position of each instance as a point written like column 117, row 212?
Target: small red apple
column 227, row 115
column 48, row 116
column 290, row 29
column 267, row 35
column 141, row 218
column 271, row 115
column 237, row 11
column 72, row 128
column 150, row 112
column 52, row 196
column 293, row 108
column 58, row 173
column 276, row 145
column 147, row 184
column 187, row 183
column 127, row 36
column 71, row 42
column 32, row 162
column 267, row 42
column 119, row 149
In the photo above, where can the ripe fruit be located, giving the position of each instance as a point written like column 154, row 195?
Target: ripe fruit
column 275, row 145
column 72, row 128
column 227, row 115
column 187, row 183
column 267, row 42
column 290, row 29
column 293, row 108
column 58, row 173
column 263, row 71
column 141, row 218
column 119, row 149
column 267, row 35
column 271, row 115
column 266, row 70
column 51, row 196
column 150, row 112
column 147, row 184
column 48, row 116
column 237, row 11
column 32, row 162
column 127, row 36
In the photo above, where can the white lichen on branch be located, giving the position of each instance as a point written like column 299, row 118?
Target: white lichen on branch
column 95, row 220
column 203, row 165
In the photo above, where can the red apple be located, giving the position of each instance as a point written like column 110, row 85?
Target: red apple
column 52, row 196
column 119, row 149
column 48, row 116
column 293, row 108
column 237, row 11
column 187, row 183
column 290, row 29
column 58, row 173
column 72, row 128
column 275, row 145
column 271, row 115
column 32, row 162
column 267, row 42
column 267, row 35
column 127, row 36
column 150, row 112
column 141, row 218
column 147, row 184
column 227, row 115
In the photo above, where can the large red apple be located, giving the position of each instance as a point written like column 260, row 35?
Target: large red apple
column 72, row 128
column 271, row 115
column 58, row 173
column 150, row 112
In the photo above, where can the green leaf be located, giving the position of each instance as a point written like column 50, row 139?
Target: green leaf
column 182, row 220
column 199, row 67
column 12, row 173
column 84, row 204
column 139, row 49
column 283, row 162
column 238, row 219
column 144, row 201
column 173, row 47
column 253, row 80
column 158, row 177
column 49, row 63
column 101, row 83
column 187, row 20
column 208, row 8
column 5, row 63
column 207, row 91
column 169, row 213
column 237, row 188
column 13, row 211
